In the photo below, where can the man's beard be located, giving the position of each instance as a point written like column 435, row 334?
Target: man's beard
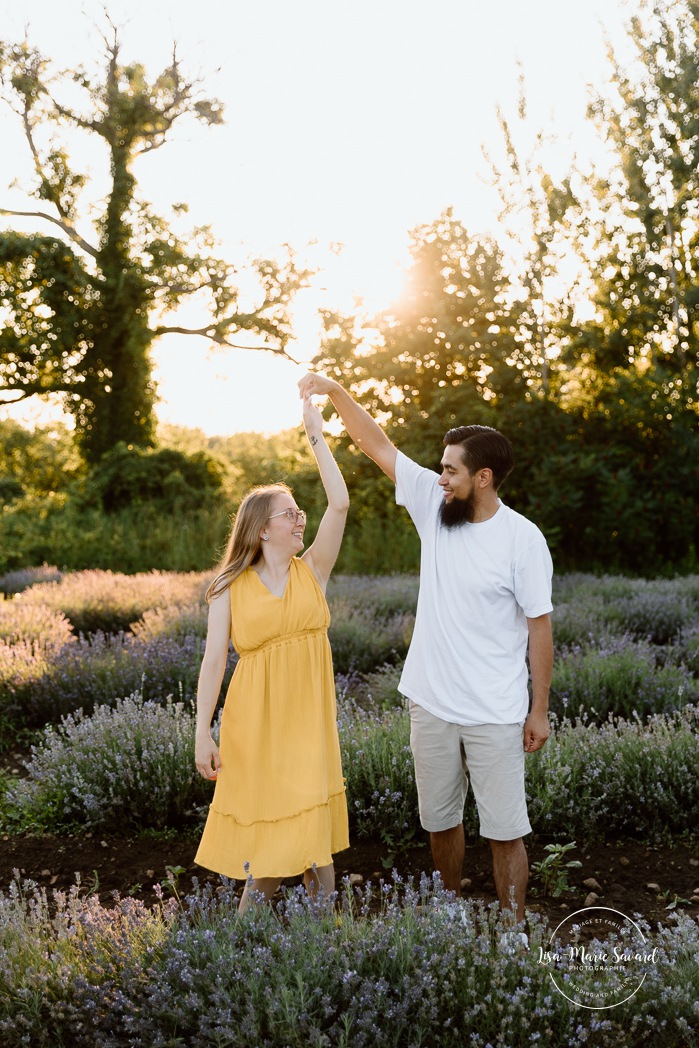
column 458, row 511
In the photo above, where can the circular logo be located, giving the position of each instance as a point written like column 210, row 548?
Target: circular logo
column 598, row 957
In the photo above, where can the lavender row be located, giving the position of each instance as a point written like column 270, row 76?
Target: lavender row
column 389, row 967
column 624, row 645
column 131, row 765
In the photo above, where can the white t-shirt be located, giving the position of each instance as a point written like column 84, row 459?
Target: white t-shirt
column 479, row 583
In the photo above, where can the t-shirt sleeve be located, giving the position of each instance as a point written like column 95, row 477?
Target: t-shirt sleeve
column 533, row 577
column 416, row 489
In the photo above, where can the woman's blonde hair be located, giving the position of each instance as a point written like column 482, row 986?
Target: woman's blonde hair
column 243, row 547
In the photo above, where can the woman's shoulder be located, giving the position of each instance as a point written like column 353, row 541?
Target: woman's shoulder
column 299, row 565
column 241, row 581
column 302, row 568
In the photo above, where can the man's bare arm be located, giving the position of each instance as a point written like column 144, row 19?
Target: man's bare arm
column 364, row 431
column 536, row 729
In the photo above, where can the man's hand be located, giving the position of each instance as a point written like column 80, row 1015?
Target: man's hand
column 536, row 731
column 312, row 383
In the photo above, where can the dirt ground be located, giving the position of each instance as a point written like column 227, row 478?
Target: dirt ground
column 631, row 877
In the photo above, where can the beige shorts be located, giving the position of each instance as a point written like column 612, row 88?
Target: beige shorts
column 490, row 755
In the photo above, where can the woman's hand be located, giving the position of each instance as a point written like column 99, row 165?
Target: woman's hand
column 312, row 420
column 206, row 757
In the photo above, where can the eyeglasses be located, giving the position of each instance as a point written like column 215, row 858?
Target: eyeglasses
column 292, row 515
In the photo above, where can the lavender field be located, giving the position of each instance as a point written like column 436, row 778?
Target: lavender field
column 97, row 678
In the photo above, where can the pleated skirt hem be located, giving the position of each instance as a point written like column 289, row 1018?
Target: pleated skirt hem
column 282, row 848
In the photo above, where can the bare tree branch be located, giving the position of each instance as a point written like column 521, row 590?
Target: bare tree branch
column 25, row 392
column 69, row 114
column 221, row 340
column 56, row 221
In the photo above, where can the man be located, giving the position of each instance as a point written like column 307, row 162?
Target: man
column 485, row 597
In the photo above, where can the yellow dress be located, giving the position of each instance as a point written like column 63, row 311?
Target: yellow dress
column 279, row 805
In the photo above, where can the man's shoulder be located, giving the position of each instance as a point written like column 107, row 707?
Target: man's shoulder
column 520, row 527
column 408, row 469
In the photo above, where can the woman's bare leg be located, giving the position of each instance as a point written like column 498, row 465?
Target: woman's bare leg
column 320, row 878
column 265, row 886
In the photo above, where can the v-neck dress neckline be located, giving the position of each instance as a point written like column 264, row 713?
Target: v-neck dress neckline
column 275, row 595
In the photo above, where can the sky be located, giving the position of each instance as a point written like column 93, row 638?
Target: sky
column 346, row 123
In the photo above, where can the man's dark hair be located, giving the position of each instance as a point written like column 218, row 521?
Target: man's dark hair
column 483, row 447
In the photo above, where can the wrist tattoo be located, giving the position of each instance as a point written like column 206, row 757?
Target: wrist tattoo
column 314, row 441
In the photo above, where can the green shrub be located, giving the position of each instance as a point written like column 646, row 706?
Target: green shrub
column 140, row 538
column 128, row 476
column 10, row 490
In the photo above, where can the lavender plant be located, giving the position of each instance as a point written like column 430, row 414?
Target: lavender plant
column 620, row 778
column 68, row 965
column 391, row 966
column 363, row 638
column 35, row 624
column 686, row 651
column 379, row 774
column 579, row 624
column 587, row 609
column 102, row 600
column 619, row 677
column 129, row 767
column 22, row 669
column 387, row 594
column 378, row 690
column 17, row 581
column 96, row 670
column 173, row 621
column 659, row 614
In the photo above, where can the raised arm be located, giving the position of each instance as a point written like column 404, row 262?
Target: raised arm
column 366, row 434
column 321, row 556
column 210, row 676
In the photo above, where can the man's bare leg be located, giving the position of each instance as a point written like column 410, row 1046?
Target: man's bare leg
column 511, row 873
column 448, row 848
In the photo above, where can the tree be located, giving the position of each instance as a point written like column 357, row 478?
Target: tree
column 41, row 462
column 85, row 310
column 645, row 243
column 536, row 217
column 449, row 338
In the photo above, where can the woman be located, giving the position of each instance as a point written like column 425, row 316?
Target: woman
column 279, row 806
